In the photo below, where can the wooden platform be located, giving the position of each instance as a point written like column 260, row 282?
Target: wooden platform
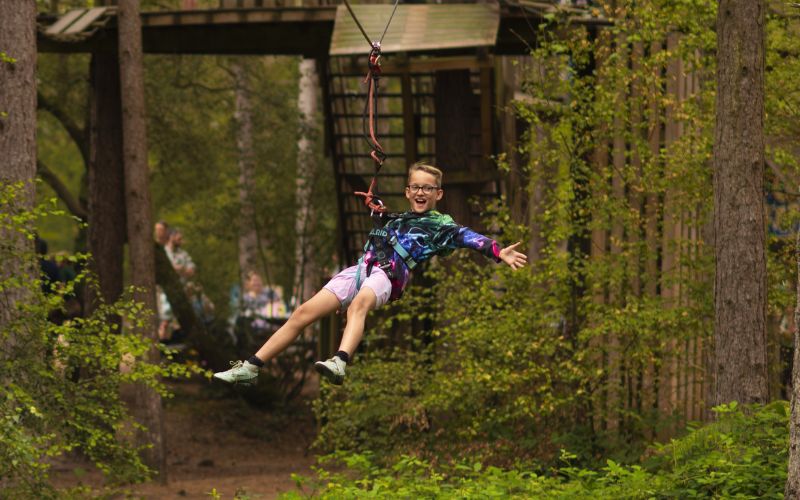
column 306, row 31
column 302, row 31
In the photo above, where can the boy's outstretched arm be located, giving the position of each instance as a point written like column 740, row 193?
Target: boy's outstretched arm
column 513, row 258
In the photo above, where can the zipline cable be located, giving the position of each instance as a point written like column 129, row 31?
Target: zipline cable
column 369, row 116
column 389, row 21
column 353, row 15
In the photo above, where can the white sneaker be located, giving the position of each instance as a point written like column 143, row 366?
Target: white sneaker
column 332, row 369
column 241, row 372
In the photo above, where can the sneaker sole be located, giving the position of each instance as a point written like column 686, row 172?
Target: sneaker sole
column 243, row 383
column 328, row 374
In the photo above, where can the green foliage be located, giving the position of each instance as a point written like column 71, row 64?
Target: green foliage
column 520, row 364
column 743, row 454
column 61, row 380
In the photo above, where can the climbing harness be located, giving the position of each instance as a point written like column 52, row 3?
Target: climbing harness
column 369, row 117
column 380, row 238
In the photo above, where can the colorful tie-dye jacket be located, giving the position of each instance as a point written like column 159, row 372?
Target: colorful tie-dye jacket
column 422, row 236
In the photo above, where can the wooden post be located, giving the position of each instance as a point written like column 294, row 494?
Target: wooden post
column 487, row 124
column 508, row 137
column 453, row 103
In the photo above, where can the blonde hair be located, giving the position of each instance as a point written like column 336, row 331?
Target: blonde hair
column 429, row 169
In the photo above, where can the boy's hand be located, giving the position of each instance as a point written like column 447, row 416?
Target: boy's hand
column 513, row 258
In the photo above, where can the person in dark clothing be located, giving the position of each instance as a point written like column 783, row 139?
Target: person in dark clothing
column 50, row 274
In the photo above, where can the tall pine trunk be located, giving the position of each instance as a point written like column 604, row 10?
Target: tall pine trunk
column 307, row 106
column 792, row 489
column 107, row 227
column 139, row 219
column 17, row 133
column 248, row 236
column 740, row 291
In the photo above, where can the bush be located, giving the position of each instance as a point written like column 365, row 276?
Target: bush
column 497, row 378
column 741, row 455
column 60, row 388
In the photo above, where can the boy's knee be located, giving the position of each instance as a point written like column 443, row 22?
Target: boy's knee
column 302, row 312
column 361, row 304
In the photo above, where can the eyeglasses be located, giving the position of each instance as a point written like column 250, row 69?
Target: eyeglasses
column 415, row 188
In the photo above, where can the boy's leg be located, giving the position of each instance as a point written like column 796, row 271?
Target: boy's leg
column 334, row 368
column 364, row 302
column 321, row 304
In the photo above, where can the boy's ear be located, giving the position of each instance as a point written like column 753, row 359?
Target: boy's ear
column 439, row 194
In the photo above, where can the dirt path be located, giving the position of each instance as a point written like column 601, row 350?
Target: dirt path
column 215, row 441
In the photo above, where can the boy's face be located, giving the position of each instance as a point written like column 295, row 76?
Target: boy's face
column 422, row 191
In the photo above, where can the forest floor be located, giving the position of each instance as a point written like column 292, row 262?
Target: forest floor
column 216, row 441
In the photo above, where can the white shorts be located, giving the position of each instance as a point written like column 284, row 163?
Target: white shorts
column 343, row 285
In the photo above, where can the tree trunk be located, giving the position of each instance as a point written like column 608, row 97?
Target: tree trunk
column 248, row 236
column 307, row 106
column 212, row 343
column 107, row 226
column 740, row 291
column 17, row 132
column 139, row 218
column 792, row 489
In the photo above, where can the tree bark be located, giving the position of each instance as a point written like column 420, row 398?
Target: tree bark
column 248, row 236
column 139, row 218
column 308, row 106
column 740, row 292
column 107, row 225
column 17, row 134
column 212, row 343
column 792, row 489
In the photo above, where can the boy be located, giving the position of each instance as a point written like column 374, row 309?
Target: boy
column 380, row 276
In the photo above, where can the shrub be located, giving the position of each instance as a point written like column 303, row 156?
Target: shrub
column 741, row 455
column 60, row 387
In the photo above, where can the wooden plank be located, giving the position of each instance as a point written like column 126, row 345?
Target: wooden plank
column 416, row 27
column 64, row 21
column 668, row 393
column 649, row 396
column 616, row 294
column 266, row 15
column 86, row 20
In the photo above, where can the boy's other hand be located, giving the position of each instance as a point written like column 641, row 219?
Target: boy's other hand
column 513, row 258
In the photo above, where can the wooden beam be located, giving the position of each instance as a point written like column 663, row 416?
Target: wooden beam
column 487, row 120
column 267, row 15
column 398, row 64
